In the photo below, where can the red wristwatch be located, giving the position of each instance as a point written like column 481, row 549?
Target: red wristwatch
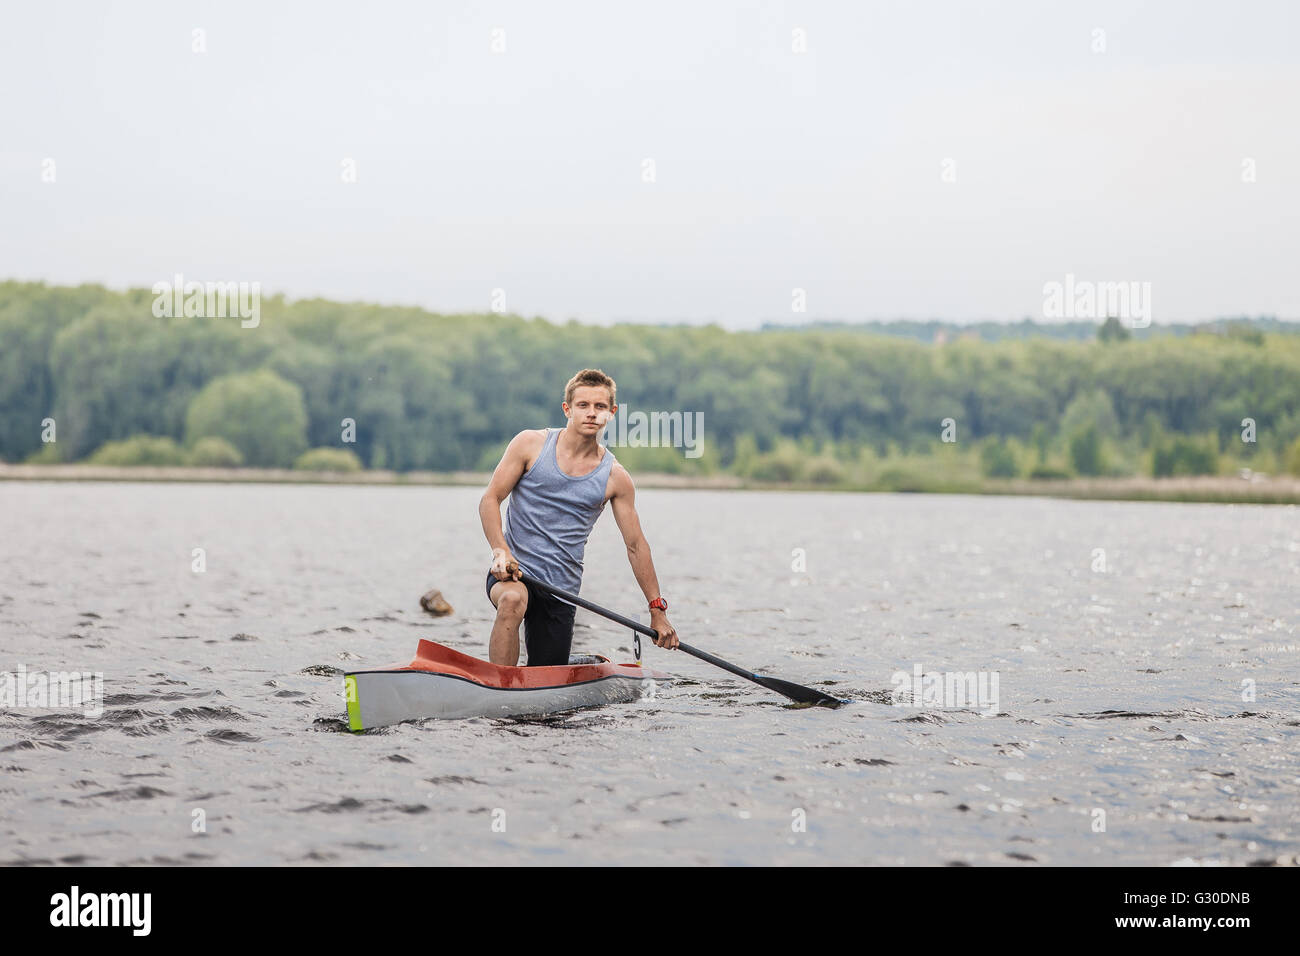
column 658, row 604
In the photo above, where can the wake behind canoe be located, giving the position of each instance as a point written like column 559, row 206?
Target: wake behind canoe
column 444, row 683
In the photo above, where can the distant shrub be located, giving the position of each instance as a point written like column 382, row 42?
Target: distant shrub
column 1090, row 408
column 824, row 470
column 260, row 413
column 661, row 459
column 137, row 451
column 1049, row 473
column 743, row 454
column 328, row 459
column 1293, row 458
column 997, row 460
column 213, row 452
column 1113, row 330
column 48, row 454
column 490, row 457
column 1244, row 333
column 903, row 479
column 1184, row 455
column 783, row 463
column 1085, row 451
column 772, row 468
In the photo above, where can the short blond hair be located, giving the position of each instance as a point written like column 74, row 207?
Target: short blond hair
column 590, row 377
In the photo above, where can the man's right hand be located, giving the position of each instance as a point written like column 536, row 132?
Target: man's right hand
column 504, row 566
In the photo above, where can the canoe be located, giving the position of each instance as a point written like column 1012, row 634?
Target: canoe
column 445, row 683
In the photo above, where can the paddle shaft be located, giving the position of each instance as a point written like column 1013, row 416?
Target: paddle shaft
column 637, row 626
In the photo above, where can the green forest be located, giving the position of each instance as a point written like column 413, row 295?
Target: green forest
column 96, row 371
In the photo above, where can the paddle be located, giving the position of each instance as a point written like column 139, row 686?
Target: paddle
column 796, row 692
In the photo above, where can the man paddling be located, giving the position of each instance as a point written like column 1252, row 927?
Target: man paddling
column 558, row 481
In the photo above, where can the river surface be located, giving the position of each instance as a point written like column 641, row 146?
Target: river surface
column 1147, row 705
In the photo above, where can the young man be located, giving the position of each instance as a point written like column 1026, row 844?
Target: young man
column 558, row 480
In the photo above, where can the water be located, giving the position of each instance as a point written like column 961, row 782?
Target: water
column 1121, row 701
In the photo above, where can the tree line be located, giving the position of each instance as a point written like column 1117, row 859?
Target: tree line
column 446, row 391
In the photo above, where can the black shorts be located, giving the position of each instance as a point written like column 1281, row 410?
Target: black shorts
column 548, row 626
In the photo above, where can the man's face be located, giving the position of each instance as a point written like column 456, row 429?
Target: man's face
column 590, row 409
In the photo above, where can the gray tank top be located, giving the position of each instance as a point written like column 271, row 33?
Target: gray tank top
column 551, row 514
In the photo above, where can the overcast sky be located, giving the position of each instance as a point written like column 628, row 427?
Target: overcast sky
column 524, row 169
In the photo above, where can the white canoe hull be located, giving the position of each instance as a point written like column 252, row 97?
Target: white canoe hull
column 390, row 698
column 443, row 683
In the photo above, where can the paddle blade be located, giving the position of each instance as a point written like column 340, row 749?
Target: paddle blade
column 797, row 692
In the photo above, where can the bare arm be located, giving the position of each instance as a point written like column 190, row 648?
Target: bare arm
column 522, row 448
column 623, row 499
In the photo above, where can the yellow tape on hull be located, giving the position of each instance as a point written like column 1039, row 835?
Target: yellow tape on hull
column 354, row 706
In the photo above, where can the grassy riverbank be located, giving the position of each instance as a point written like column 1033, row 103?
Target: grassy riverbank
column 1254, row 489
